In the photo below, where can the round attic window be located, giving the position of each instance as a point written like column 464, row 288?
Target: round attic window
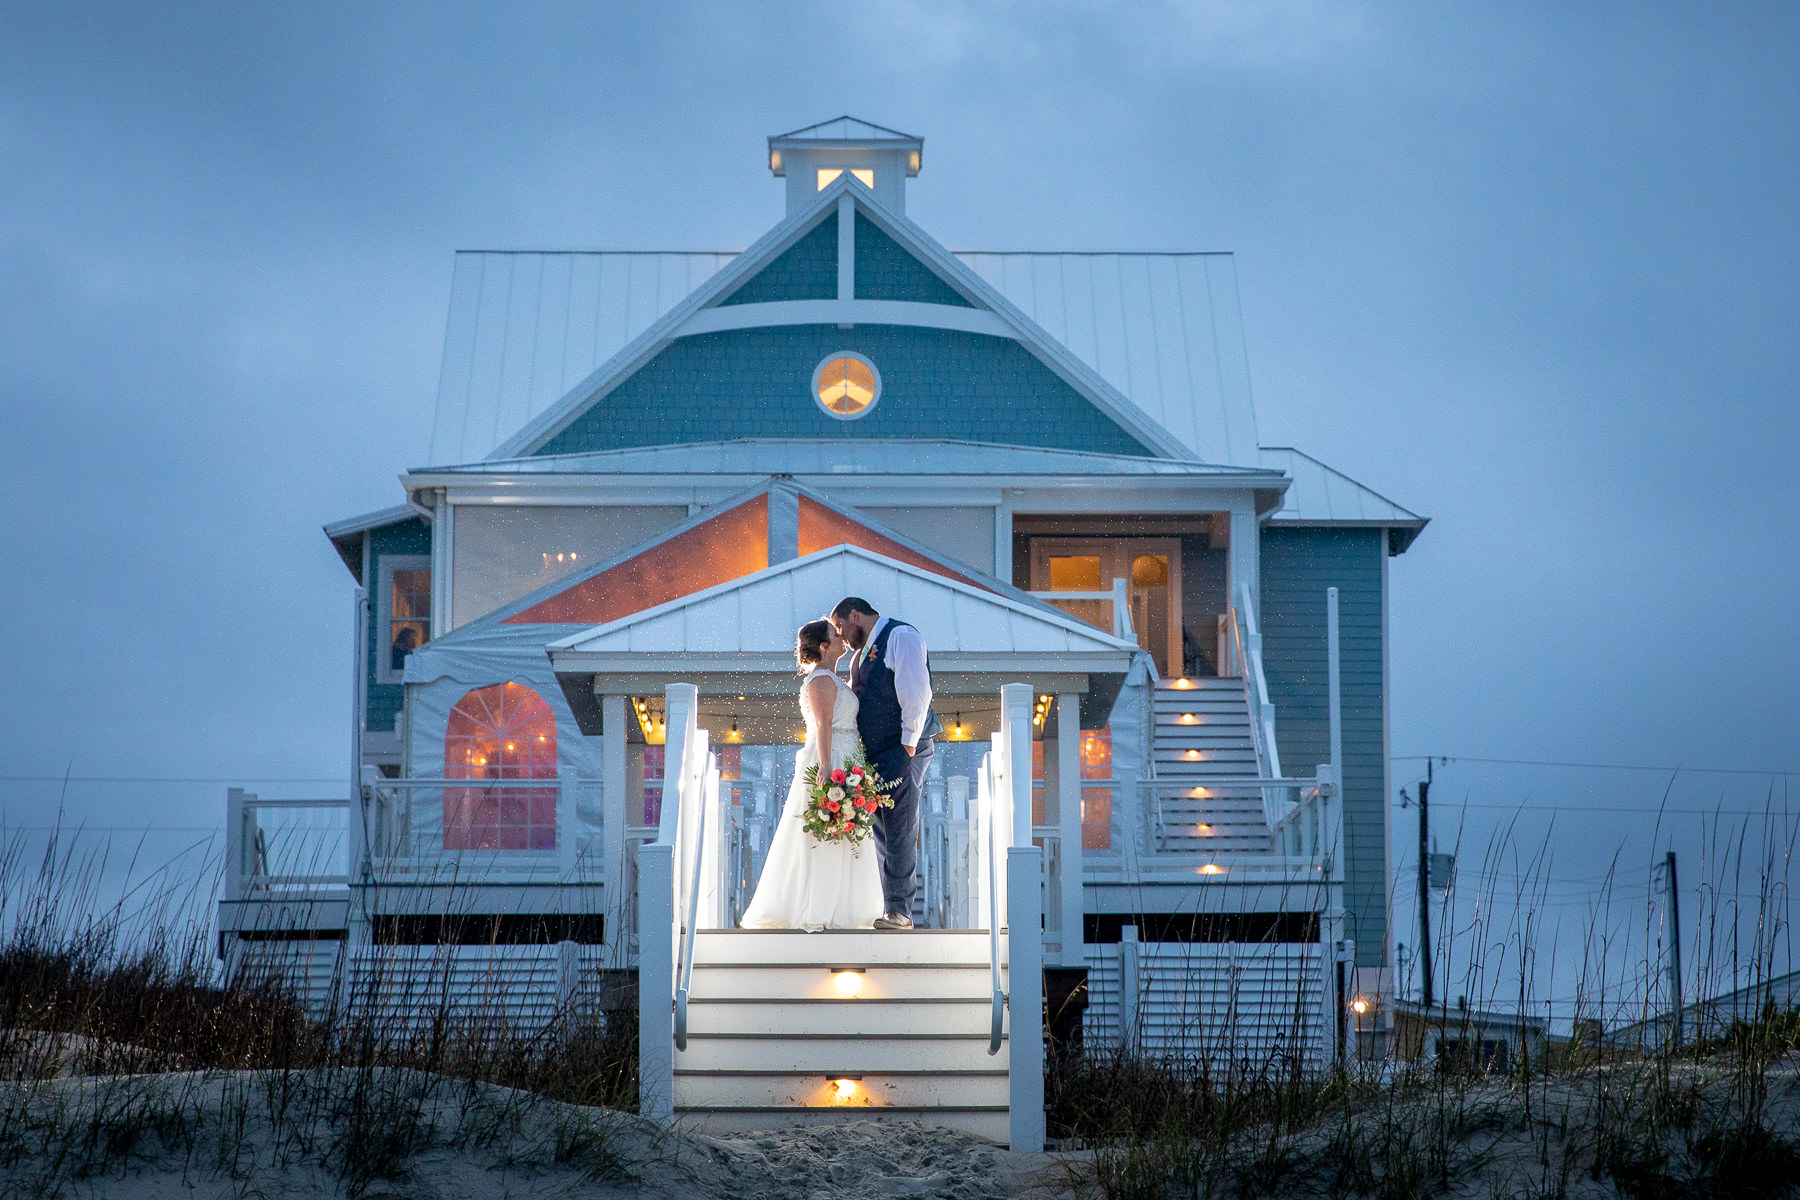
column 846, row 385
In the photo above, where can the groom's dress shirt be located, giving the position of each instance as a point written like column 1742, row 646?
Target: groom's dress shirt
column 912, row 680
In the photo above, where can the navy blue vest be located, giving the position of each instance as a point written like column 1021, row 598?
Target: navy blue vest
column 878, row 717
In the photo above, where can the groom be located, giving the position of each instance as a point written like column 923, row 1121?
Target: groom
column 892, row 679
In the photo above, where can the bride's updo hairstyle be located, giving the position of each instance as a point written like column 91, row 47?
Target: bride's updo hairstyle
column 810, row 643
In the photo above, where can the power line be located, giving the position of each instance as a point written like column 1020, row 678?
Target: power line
column 1539, row 762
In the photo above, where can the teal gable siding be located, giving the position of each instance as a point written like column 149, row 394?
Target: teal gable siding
column 884, row 271
column 936, row 383
column 407, row 537
column 1297, row 566
column 807, row 270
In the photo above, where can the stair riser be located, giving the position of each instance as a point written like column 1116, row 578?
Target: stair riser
column 834, row 948
column 817, row 1091
column 847, row 1019
column 994, row 1126
column 815, row 983
column 838, row 1056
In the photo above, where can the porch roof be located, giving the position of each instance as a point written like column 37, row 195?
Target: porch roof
column 728, row 634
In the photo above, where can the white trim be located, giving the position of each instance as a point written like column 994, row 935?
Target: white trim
column 846, row 249
column 866, row 409
column 443, row 554
column 384, row 600
column 844, row 312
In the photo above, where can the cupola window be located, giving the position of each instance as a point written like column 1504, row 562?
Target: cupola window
column 846, row 386
column 863, row 175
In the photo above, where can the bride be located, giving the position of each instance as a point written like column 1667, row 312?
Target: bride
column 806, row 883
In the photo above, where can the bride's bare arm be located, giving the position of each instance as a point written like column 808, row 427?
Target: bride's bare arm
column 821, row 698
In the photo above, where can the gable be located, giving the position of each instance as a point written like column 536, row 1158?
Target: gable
column 726, row 547
column 886, row 271
column 936, row 383
column 822, row 528
column 807, row 270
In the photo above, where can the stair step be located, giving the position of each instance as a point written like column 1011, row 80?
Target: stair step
column 908, row 1089
column 838, row 1053
column 965, row 981
column 844, row 1018
column 845, row 947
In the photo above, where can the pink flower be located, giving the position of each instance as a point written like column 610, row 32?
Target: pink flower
column 837, row 776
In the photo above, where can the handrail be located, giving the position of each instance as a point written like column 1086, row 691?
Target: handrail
column 687, row 934
column 1248, row 639
column 997, row 1018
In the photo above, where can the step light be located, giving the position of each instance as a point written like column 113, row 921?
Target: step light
column 845, row 1087
column 1190, row 718
column 848, row 981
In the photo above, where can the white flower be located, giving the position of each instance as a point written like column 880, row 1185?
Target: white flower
column 836, row 793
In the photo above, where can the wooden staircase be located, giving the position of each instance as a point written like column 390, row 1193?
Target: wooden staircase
column 787, row 1027
column 1202, row 732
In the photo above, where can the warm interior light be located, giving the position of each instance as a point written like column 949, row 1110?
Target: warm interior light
column 862, row 175
column 1360, row 1005
column 844, row 1088
column 849, row 984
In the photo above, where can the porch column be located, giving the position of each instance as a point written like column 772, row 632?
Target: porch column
column 612, row 807
column 1244, row 554
column 1067, row 794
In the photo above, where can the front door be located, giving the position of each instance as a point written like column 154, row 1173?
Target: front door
column 1090, row 564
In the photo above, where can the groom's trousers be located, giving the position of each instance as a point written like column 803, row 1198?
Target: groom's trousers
column 897, row 828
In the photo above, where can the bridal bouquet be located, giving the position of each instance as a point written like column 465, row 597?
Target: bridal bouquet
column 841, row 805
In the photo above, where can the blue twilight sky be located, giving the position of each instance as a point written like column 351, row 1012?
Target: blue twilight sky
column 1528, row 269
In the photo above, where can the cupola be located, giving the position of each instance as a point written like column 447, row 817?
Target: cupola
column 811, row 158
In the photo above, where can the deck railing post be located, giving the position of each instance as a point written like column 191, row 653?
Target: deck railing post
column 1069, row 819
column 1128, row 989
column 657, row 933
column 1025, row 995
column 237, row 845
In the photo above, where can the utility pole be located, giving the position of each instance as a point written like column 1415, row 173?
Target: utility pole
column 1674, row 942
column 1425, row 886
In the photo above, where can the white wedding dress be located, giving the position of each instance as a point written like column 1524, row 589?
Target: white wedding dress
column 806, row 883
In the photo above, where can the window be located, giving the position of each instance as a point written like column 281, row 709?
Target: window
column 846, row 385
column 1096, row 802
column 402, row 613
column 862, row 175
column 504, row 732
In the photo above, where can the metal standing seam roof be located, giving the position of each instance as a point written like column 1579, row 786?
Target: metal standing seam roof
column 844, row 129
column 527, row 326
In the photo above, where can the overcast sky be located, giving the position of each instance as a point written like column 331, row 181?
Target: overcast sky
column 1530, row 270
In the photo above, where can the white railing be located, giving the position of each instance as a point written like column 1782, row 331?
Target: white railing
column 1119, row 597
column 681, row 888
column 427, row 825
column 1246, row 646
column 267, row 857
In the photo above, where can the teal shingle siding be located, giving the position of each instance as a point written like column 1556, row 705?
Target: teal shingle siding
column 884, row 271
column 407, row 537
column 1297, row 566
column 807, row 270
column 936, row 383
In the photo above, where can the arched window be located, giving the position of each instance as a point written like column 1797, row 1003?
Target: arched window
column 499, row 733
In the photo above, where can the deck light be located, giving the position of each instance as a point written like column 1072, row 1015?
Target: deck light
column 1360, row 1006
